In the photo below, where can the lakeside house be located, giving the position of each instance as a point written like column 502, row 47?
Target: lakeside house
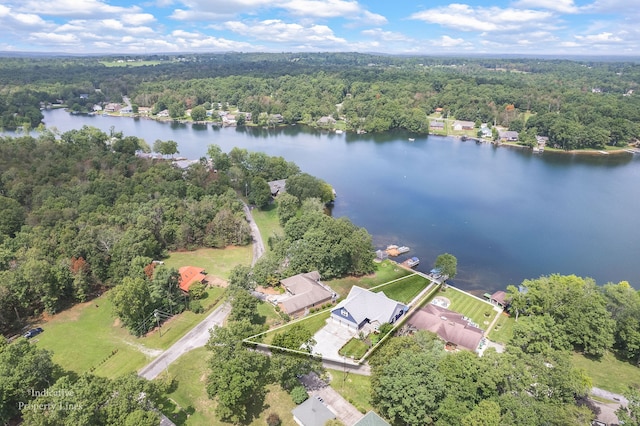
column 456, row 330
column 363, row 307
column 436, row 125
column 463, row 125
column 190, row 275
column 508, row 135
column 326, row 121
column 305, row 291
column 499, row 299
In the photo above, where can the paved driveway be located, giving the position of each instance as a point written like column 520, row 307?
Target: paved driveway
column 330, row 338
column 343, row 410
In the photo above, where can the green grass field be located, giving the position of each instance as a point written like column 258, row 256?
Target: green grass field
column 88, row 337
column 267, row 221
column 469, row 306
column 503, row 329
column 385, row 271
column 313, row 323
column 355, row 388
column 405, row 289
column 355, row 348
column 608, row 372
column 218, row 262
column 189, row 404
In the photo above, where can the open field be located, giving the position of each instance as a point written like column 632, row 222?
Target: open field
column 503, row 329
column 469, row 306
column 87, row 337
column 608, row 372
column 218, row 262
column 385, row 271
column 405, row 289
column 189, row 404
column 267, row 221
column 355, row 388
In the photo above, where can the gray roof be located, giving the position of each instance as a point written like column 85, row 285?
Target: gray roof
column 450, row 326
column 508, row 134
column 312, row 412
column 371, row 419
column 277, row 186
column 363, row 305
column 306, row 290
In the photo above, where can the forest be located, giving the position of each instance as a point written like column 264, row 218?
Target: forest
column 577, row 104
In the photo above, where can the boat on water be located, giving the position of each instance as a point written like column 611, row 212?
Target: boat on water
column 339, row 132
column 403, row 249
column 464, row 138
column 413, row 262
column 411, row 139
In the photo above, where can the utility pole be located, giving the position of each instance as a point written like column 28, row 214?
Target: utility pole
column 157, row 315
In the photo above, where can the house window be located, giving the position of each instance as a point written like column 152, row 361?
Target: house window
column 344, row 313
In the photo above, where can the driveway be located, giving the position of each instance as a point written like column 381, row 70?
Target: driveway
column 258, row 244
column 330, row 338
column 196, row 338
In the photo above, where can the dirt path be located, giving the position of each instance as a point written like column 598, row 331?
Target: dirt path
column 258, row 244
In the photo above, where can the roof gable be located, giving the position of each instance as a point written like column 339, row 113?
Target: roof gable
column 190, row 275
column 306, row 291
column 312, row 412
column 448, row 325
column 364, row 305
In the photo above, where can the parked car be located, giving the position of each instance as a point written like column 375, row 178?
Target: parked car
column 33, row 332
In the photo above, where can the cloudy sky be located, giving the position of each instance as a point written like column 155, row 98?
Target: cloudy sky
column 595, row 27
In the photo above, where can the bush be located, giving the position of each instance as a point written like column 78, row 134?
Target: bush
column 274, row 420
column 299, row 394
column 197, row 291
column 196, row 307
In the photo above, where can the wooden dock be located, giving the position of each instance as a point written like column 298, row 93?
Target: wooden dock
column 395, row 251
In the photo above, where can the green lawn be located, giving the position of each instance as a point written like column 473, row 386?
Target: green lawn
column 267, row 221
column 313, row 323
column 385, row 271
column 355, row 388
column 218, row 262
column 189, row 404
column 503, row 329
column 469, row 306
column 608, row 372
column 354, row 348
column 406, row 289
column 267, row 310
column 87, row 337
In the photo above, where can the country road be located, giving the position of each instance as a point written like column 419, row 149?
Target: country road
column 197, row 337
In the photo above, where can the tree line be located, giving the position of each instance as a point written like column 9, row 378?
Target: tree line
column 577, row 104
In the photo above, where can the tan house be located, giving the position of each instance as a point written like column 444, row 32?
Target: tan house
column 304, row 291
column 456, row 330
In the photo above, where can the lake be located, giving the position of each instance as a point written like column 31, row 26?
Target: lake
column 505, row 213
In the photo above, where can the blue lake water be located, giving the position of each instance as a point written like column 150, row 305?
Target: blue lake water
column 505, row 213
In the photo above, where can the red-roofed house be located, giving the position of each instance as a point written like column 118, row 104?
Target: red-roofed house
column 190, row 275
column 499, row 298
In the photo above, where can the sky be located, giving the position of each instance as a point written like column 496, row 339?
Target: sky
column 425, row 27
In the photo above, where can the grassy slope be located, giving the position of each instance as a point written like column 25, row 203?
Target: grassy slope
column 469, row 306
column 406, row 289
column 503, row 329
column 608, row 372
column 267, row 221
column 217, row 262
column 189, row 403
column 354, row 388
column 385, row 271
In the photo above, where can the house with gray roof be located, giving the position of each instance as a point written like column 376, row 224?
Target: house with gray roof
column 454, row 328
column 305, row 291
column 277, row 186
column 362, row 307
column 371, row 419
column 463, row 125
column 508, row 135
column 312, row 412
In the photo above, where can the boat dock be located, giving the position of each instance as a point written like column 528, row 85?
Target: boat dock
column 394, row 251
column 411, row 263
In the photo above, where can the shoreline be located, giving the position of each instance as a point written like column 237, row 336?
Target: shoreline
column 587, row 152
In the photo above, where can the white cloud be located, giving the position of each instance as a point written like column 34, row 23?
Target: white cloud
column 53, row 38
column 278, row 31
column 75, row 8
column 463, row 17
column 322, row 9
column 600, row 38
column 138, row 18
column 379, row 34
column 446, row 41
column 562, row 6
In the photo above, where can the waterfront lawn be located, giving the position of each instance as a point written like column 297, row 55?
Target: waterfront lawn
column 609, row 373
column 355, row 348
column 313, row 323
column 503, row 329
column 218, row 262
column 385, row 271
column 355, row 388
column 405, row 289
column 268, row 223
column 189, row 404
column 469, row 306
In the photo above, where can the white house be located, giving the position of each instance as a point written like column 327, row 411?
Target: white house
column 362, row 307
